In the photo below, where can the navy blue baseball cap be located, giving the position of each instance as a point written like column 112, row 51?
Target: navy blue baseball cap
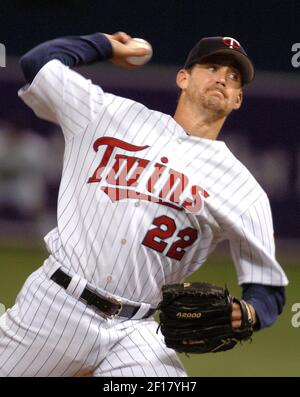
column 209, row 46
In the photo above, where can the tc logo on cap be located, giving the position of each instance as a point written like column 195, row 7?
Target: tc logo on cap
column 230, row 42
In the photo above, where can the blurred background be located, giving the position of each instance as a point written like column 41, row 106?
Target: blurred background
column 264, row 135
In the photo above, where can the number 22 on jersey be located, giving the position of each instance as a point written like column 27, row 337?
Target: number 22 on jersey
column 166, row 228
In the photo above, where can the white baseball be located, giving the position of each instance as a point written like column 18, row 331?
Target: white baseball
column 139, row 43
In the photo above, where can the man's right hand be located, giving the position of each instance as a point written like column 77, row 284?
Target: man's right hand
column 121, row 51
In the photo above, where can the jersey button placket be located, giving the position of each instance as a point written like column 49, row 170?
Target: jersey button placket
column 109, row 279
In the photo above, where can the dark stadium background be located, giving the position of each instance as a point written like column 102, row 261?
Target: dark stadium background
column 264, row 134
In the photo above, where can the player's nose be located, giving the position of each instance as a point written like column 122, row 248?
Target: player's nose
column 221, row 76
column 221, row 79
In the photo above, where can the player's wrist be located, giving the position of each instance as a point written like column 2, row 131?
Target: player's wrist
column 253, row 313
column 101, row 44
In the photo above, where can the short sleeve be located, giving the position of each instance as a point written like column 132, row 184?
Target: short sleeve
column 253, row 247
column 64, row 97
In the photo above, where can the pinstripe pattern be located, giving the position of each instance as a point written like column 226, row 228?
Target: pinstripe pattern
column 73, row 339
column 48, row 332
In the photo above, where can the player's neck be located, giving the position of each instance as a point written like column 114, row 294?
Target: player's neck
column 198, row 124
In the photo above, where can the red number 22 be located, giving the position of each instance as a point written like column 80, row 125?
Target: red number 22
column 166, row 227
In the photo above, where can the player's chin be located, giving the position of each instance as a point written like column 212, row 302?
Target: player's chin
column 216, row 104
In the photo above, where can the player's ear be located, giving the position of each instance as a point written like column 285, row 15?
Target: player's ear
column 239, row 100
column 182, row 78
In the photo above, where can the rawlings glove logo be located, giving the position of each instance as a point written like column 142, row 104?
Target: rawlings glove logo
column 188, row 315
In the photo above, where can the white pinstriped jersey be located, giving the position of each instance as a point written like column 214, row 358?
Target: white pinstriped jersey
column 141, row 203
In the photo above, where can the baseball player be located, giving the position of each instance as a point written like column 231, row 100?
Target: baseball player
column 144, row 199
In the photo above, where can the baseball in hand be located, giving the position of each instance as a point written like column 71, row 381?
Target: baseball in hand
column 139, row 43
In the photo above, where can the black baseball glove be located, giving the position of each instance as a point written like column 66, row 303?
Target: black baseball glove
column 196, row 318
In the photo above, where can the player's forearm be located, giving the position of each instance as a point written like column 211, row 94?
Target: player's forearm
column 71, row 51
column 268, row 302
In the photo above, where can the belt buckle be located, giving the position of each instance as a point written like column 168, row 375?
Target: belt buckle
column 118, row 311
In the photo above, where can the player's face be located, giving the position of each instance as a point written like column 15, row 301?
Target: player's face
column 214, row 86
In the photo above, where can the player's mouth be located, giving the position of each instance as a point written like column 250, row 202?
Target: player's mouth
column 220, row 93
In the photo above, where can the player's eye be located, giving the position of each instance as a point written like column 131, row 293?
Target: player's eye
column 212, row 68
column 234, row 76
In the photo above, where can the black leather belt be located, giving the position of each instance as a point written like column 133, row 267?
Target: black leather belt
column 109, row 306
